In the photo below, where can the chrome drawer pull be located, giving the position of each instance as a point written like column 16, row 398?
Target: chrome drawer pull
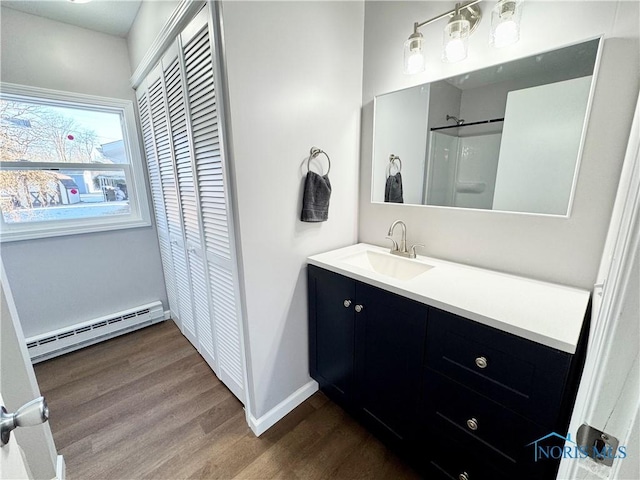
column 463, row 476
column 472, row 423
column 347, row 303
column 481, row 362
column 359, row 308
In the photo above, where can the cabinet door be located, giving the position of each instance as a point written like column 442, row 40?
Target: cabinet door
column 331, row 333
column 390, row 333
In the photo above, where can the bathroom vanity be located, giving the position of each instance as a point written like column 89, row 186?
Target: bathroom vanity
column 461, row 370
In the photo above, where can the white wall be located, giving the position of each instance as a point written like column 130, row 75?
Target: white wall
column 60, row 281
column 151, row 17
column 295, row 76
column 550, row 248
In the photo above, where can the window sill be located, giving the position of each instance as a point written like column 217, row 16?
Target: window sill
column 57, row 231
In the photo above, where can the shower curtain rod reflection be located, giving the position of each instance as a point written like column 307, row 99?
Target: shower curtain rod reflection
column 493, row 120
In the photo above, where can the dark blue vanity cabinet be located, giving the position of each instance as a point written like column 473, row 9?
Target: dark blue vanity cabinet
column 460, row 400
column 366, row 352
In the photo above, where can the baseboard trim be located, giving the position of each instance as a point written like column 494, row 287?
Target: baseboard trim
column 167, row 314
column 277, row 413
column 61, row 468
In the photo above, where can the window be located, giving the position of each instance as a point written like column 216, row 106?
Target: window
column 69, row 164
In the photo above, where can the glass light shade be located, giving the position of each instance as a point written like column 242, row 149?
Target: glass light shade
column 413, row 55
column 505, row 23
column 456, row 39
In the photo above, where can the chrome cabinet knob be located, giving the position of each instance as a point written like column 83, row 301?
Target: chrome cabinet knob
column 472, row 423
column 481, row 362
column 347, row 303
column 359, row 308
column 464, row 476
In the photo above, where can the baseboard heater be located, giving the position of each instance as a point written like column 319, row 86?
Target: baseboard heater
column 65, row 340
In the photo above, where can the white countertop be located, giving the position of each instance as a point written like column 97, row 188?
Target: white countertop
column 545, row 313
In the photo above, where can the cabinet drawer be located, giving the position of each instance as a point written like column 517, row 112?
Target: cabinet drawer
column 451, row 460
column 527, row 377
column 492, row 425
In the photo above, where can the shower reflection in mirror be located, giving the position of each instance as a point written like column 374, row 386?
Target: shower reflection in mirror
column 507, row 137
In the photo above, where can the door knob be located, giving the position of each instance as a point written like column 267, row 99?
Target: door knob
column 347, row 303
column 359, row 308
column 32, row 413
column 463, row 476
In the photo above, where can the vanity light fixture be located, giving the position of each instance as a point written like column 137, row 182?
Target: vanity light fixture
column 463, row 21
column 505, row 23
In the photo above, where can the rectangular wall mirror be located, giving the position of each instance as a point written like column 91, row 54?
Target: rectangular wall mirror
column 507, row 137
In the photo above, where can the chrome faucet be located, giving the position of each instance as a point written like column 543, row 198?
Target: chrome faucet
column 403, row 241
column 401, row 249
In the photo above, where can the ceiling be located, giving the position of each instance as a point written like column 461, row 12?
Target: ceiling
column 107, row 16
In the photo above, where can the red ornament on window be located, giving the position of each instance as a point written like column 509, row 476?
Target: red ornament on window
column 70, row 137
column 73, row 191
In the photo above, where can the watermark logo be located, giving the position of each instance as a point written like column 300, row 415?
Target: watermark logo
column 547, row 447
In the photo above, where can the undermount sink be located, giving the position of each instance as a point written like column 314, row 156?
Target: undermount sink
column 386, row 264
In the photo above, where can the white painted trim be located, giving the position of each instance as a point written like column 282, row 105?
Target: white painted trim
column 167, row 315
column 178, row 19
column 61, row 468
column 269, row 419
column 615, row 266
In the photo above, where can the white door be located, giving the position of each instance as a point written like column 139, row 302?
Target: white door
column 609, row 394
column 30, row 452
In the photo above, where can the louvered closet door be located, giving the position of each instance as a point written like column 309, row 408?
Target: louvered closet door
column 164, row 155
column 158, row 200
column 201, row 99
column 182, row 152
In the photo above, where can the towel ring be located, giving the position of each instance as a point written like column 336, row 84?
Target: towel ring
column 392, row 159
column 313, row 154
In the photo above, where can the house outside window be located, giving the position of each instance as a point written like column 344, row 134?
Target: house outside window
column 69, row 164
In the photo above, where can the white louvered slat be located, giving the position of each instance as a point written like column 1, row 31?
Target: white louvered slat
column 201, row 304
column 189, row 208
column 199, row 70
column 226, row 322
column 202, row 107
column 158, row 202
column 172, row 207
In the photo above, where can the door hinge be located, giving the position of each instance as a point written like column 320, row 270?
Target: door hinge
column 600, row 446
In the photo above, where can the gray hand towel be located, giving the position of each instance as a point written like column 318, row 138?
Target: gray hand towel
column 393, row 189
column 315, row 199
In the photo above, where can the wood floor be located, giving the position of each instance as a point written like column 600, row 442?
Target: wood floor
column 146, row 406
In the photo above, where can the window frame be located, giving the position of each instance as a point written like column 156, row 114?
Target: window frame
column 140, row 215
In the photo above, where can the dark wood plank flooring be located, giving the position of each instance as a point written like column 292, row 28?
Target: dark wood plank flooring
column 146, row 406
